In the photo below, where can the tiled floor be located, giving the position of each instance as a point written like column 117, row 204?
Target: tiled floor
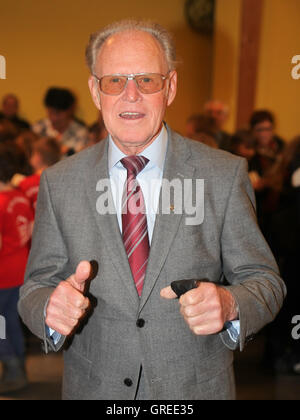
column 253, row 383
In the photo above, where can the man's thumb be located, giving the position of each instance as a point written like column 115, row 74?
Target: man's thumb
column 168, row 293
column 81, row 275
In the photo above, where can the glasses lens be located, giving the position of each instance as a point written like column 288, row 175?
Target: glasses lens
column 147, row 83
column 112, row 85
column 150, row 83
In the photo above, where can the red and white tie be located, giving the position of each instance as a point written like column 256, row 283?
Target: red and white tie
column 134, row 221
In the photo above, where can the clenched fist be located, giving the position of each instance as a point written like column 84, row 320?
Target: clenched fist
column 206, row 308
column 67, row 304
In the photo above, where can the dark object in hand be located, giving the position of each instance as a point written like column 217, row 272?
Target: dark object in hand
column 182, row 286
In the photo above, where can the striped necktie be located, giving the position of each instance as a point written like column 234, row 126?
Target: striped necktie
column 134, row 221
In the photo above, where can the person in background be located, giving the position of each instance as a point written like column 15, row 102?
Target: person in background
column 282, row 352
column 196, row 123
column 46, row 152
column 21, row 164
column 269, row 145
column 60, row 124
column 7, row 129
column 25, row 141
column 202, row 128
column 15, row 232
column 10, row 112
column 219, row 112
column 243, row 144
column 263, row 166
column 97, row 131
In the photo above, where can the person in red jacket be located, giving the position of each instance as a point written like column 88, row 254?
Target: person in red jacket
column 46, row 152
column 16, row 218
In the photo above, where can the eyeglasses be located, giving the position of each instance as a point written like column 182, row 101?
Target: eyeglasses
column 261, row 129
column 146, row 82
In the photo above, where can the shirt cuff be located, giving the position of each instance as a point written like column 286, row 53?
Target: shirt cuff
column 233, row 328
column 54, row 335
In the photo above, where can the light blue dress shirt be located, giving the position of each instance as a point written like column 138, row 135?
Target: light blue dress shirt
column 150, row 180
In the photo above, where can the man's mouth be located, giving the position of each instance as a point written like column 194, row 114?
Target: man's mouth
column 131, row 115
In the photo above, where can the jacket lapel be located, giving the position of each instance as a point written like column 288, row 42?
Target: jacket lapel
column 108, row 223
column 166, row 225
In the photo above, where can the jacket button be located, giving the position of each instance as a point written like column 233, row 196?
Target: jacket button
column 128, row 382
column 140, row 323
column 250, row 338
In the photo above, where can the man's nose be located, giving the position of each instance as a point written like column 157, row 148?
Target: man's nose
column 131, row 92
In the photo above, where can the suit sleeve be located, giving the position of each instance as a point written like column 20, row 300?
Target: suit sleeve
column 46, row 268
column 248, row 263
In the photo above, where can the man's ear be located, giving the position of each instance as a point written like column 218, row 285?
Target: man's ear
column 93, row 86
column 172, row 88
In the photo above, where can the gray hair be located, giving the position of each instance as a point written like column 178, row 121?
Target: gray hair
column 98, row 38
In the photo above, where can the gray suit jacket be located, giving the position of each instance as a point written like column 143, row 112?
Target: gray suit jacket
column 110, row 347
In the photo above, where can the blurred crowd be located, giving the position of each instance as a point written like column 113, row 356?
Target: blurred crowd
column 274, row 171
column 26, row 150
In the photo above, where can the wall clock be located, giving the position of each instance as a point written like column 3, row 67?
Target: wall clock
column 200, row 15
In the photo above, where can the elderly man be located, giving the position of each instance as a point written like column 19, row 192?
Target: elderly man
column 107, row 244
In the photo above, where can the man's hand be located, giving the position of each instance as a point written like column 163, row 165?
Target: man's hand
column 67, row 304
column 206, row 308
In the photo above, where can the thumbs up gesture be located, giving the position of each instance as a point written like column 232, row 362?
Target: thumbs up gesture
column 67, row 304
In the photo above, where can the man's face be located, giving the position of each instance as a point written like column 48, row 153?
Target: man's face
column 263, row 133
column 60, row 120
column 132, row 118
column 10, row 106
column 218, row 113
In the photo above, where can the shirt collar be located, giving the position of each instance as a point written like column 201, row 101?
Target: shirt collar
column 156, row 152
